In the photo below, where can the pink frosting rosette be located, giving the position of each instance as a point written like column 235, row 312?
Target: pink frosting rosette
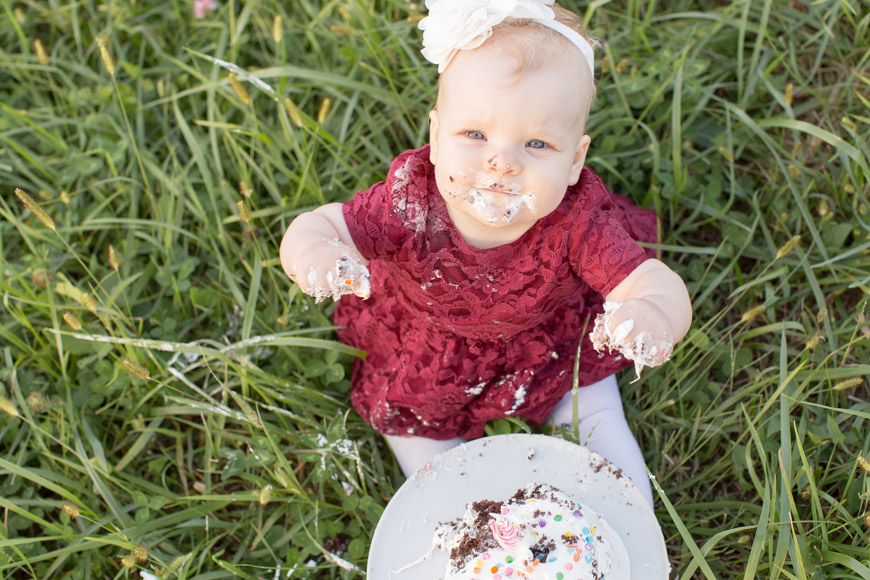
column 506, row 534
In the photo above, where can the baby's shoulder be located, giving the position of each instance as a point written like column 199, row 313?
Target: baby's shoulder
column 411, row 167
column 405, row 194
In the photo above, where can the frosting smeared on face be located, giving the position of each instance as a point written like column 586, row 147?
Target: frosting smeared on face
column 489, row 196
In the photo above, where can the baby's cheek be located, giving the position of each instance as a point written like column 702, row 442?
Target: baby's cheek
column 456, row 187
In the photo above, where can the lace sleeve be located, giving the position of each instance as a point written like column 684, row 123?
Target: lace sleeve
column 382, row 218
column 603, row 253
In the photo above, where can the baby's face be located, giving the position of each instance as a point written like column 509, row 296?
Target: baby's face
column 506, row 146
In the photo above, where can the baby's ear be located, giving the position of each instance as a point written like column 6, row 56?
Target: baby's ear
column 579, row 159
column 433, row 135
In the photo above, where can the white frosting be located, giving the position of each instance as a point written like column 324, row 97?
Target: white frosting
column 489, row 195
column 350, row 276
column 548, row 536
column 643, row 350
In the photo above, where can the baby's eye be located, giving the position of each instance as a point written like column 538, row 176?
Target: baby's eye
column 474, row 135
column 536, row 144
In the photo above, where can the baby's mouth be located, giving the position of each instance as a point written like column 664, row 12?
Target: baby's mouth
column 498, row 205
column 493, row 191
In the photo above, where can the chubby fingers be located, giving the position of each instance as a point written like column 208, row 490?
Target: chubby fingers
column 344, row 278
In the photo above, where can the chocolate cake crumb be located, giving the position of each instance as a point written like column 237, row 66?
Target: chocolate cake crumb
column 483, row 508
column 481, row 540
column 543, row 548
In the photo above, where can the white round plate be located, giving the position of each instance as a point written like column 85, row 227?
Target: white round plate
column 495, row 468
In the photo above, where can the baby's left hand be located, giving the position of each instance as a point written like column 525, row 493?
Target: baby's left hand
column 638, row 329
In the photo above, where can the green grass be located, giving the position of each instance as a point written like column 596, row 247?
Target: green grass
column 199, row 418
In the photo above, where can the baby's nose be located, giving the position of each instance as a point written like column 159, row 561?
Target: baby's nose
column 503, row 164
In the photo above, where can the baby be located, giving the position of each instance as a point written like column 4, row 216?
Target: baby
column 489, row 253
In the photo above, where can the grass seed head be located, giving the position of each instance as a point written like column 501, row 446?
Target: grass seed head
column 128, row 562
column 35, row 208
column 323, row 111
column 8, row 407
column 72, row 321
column 265, row 495
column 282, row 478
column 88, row 302
column 41, row 54
column 240, row 89
column 848, row 384
column 245, row 188
column 71, row 509
column 41, row 277
column 105, row 55
column 37, row 402
column 824, row 208
column 140, row 552
column 752, row 313
column 342, row 29
column 293, row 112
column 244, row 211
column 863, row 463
column 788, row 247
column 789, row 94
column 277, row 29
column 135, row 369
column 114, row 263
column 849, row 124
column 821, row 315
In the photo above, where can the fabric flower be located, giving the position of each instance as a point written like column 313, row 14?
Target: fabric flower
column 454, row 25
column 203, row 7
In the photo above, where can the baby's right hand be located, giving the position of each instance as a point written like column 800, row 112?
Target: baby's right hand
column 333, row 271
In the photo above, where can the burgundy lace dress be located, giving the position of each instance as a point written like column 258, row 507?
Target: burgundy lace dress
column 456, row 335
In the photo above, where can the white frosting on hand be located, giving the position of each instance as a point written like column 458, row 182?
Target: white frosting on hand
column 643, row 349
column 349, row 276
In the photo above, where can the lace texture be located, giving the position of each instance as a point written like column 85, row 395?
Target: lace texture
column 457, row 336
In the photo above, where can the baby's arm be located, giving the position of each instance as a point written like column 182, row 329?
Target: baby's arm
column 318, row 253
column 645, row 315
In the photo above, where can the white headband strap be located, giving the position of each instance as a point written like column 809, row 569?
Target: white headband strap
column 581, row 43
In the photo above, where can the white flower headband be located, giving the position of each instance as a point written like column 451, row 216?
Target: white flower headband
column 454, row 25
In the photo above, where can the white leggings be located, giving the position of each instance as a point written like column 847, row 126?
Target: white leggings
column 603, row 429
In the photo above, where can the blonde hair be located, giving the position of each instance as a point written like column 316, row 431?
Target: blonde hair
column 533, row 45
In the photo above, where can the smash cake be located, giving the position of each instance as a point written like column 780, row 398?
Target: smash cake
column 538, row 534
